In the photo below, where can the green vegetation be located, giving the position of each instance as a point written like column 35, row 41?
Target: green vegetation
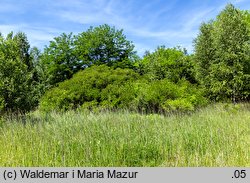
column 222, row 55
column 89, row 100
column 99, row 69
column 106, row 88
column 169, row 63
column 18, row 76
column 104, row 45
column 88, row 88
column 68, row 54
column 215, row 136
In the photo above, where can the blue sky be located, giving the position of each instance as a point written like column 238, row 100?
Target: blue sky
column 147, row 24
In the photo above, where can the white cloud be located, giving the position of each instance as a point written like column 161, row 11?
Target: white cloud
column 37, row 36
column 5, row 29
column 239, row 1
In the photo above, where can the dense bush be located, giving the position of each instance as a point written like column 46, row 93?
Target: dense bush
column 106, row 88
column 86, row 88
column 164, row 95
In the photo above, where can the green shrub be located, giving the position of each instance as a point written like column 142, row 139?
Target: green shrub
column 164, row 95
column 101, row 87
column 153, row 96
column 182, row 104
column 89, row 88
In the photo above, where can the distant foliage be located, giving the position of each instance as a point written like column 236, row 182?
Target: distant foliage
column 169, row 63
column 59, row 61
column 68, row 54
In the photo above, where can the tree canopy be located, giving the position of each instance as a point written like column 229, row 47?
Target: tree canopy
column 59, row 60
column 17, row 84
column 68, row 54
column 222, row 55
column 104, row 45
column 170, row 63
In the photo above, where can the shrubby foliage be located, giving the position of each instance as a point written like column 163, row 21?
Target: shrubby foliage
column 87, row 88
column 164, row 95
column 107, row 88
column 68, row 54
column 169, row 63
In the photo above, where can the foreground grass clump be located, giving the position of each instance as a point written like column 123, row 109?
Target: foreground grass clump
column 215, row 136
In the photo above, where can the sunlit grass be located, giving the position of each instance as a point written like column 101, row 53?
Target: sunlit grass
column 214, row 136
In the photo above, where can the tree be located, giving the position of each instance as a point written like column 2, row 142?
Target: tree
column 23, row 48
column 40, row 75
column 59, row 60
column 67, row 54
column 246, row 87
column 170, row 63
column 16, row 84
column 231, row 42
column 204, row 52
column 222, row 55
column 104, row 45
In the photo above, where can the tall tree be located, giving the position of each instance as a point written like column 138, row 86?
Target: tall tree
column 222, row 55
column 16, row 86
column 231, row 42
column 59, row 61
column 23, row 48
column 104, row 45
column 205, row 52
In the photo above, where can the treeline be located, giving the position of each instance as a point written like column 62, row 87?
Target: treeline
column 99, row 69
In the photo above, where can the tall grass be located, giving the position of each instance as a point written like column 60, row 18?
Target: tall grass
column 214, row 136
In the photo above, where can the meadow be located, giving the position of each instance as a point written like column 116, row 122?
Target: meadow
column 214, row 136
